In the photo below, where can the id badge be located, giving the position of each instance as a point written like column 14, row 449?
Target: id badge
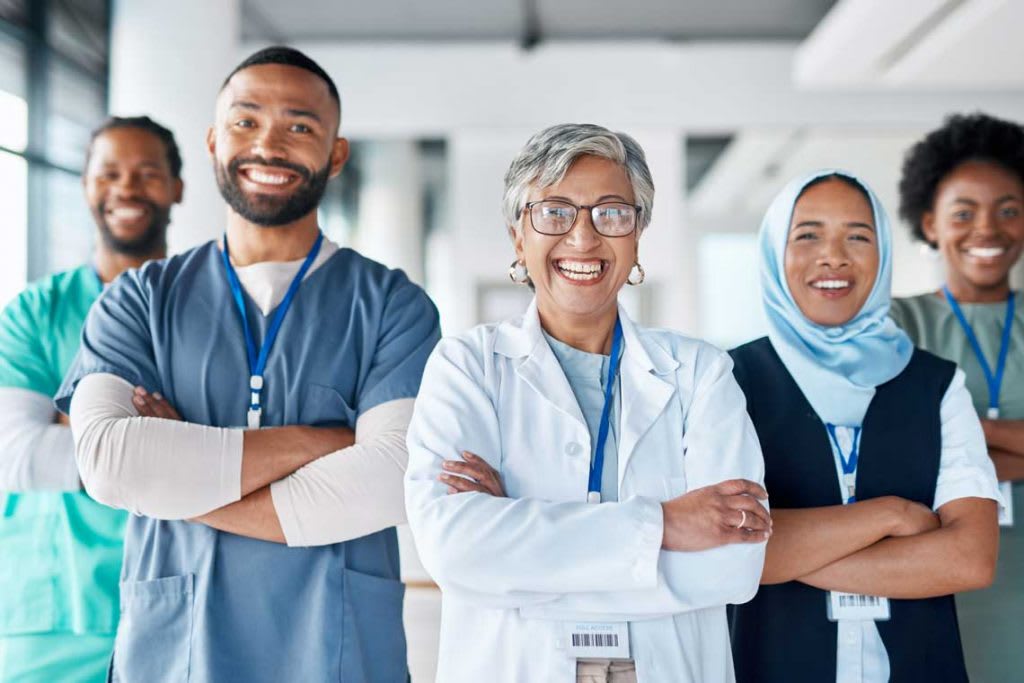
column 596, row 640
column 1006, row 512
column 854, row 607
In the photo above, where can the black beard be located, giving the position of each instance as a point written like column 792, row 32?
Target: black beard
column 267, row 210
column 154, row 237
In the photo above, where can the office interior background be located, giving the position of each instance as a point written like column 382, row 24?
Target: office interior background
column 730, row 99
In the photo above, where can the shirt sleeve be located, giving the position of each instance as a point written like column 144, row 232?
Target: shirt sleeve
column 505, row 552
column 23, row 361
column 351, row 492
column 35, row 453
column 719, row 444
column 408, row 331
column 165, row 469
column 965, row 470
column 116, row 339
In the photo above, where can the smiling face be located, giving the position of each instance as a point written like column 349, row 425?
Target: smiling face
column 977, row 222
column 130, row 189
column 832, row 252
column 275, row 144
column 578, row 275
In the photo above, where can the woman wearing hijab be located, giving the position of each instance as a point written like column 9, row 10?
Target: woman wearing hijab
column 884, row 500
column 962, row 192
column 583, row 489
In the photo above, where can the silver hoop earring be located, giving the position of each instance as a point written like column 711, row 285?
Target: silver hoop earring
column 636, row 275
column 517, row 272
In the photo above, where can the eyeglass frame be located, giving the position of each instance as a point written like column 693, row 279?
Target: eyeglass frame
column 528, row 207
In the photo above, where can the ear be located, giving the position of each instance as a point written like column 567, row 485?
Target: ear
column 517, row 242
column 211, row 143
column 928, row 228
column 179, row 190
column 339, row 155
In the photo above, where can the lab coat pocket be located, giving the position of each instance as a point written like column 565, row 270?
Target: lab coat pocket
column 323, row 406
column 153, row 638
column 373, row 638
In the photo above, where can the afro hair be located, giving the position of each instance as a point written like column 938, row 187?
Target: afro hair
column 961, row 138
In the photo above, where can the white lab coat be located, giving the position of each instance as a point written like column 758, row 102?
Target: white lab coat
column 510, row 569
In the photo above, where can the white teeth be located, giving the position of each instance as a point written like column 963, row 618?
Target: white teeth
column 831, row 284
column 580, row 271
column 579, row 267
column 127, row 213
column 986, row 252
column 267, row 178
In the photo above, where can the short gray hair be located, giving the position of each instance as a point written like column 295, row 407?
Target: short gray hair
column 547, row 156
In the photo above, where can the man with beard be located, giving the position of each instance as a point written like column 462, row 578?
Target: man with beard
column 61, row 550
column 248, row 401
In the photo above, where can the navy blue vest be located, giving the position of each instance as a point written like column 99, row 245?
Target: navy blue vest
column 783, row 634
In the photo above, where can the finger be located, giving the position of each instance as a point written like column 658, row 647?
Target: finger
column 750, row 506
column 474, row 470
column 142, row 404
column 749, row 536
column 461, row 484
column 735, row 487
column 741, row 519
column 166, row 409
column 157, row 407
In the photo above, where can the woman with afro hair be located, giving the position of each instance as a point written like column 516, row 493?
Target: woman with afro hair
column 962, row 192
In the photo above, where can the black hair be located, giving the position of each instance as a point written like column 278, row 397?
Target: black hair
column 971, row 137
column 852, row 182
column 140, row 123
column 287, row 56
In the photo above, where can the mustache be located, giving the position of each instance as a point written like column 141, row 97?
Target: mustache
column 237, row 163
column 151, row 205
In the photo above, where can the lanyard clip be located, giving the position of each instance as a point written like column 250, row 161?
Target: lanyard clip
column 593, row 496
column 253, row 417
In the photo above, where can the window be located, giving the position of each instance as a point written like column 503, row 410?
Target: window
column 54, row 58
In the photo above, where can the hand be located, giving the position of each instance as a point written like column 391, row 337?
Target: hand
column 714, row 515
column 482, row 477
column 912, row 518
column 153, row 405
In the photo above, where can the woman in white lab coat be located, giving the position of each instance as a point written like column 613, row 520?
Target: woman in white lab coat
column 523, row 426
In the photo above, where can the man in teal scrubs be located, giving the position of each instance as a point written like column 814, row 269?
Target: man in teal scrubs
column 61, row 550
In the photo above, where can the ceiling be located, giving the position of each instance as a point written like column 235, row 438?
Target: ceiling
column 530, row 21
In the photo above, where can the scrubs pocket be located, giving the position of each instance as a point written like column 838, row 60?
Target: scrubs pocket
column 153, row 637
column 323, row 406
column 373, row 639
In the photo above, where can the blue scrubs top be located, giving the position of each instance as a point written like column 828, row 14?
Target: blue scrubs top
column 208, row 606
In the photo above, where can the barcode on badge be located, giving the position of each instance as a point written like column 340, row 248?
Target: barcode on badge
column 595, row 640
column 847, row 600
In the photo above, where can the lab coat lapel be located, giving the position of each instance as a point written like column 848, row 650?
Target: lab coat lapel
column 644, row 392
column 523, row 338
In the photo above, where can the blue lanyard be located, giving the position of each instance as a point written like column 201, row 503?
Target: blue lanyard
column 849, row 463
column 597, row 462
column 995, row 381
column 258, row 359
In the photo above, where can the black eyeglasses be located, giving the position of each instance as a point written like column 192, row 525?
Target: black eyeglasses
column 556, row 217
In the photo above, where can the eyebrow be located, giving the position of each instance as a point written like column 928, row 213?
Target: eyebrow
column 602, row 198
column 301, row 113
column 821, row 224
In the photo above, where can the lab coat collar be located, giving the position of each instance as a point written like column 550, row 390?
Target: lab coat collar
column 644, row 392
column 523, row 336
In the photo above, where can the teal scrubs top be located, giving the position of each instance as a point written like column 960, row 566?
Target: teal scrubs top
column 990, row 620
column 60, row 553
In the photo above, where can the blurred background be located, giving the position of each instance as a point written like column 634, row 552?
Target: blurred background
column 729, row 98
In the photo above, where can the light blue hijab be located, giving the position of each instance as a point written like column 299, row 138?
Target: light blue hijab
column 837, row 368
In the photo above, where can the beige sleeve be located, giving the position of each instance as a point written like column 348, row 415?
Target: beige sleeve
column 150, row 466
column 352, row 492
column 36, row 454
